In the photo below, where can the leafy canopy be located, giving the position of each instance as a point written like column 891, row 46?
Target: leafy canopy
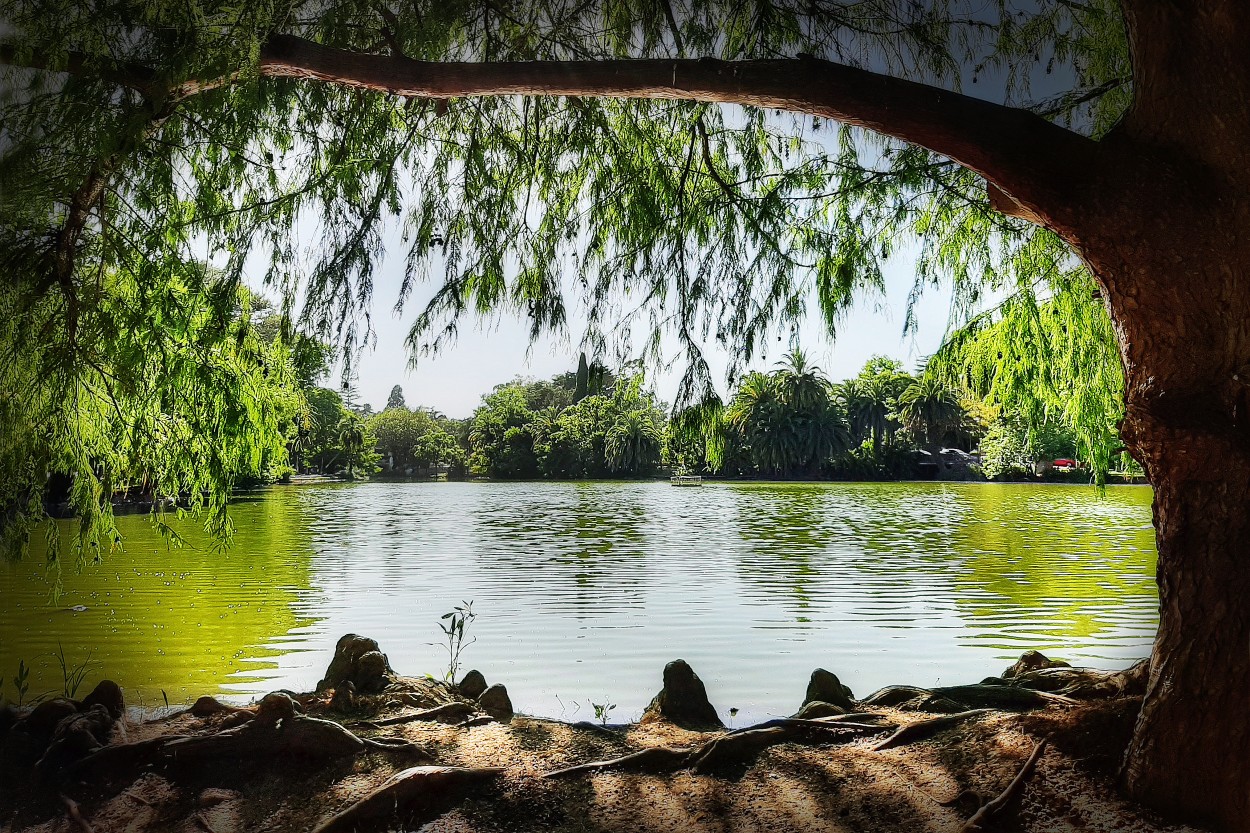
column 714, row 224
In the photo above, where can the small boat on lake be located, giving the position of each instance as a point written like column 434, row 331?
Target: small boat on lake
column 686, row 480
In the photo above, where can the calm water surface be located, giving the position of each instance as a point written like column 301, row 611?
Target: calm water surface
column 585, row 590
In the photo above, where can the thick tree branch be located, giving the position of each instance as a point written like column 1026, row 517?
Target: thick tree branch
column 1024, row 155
column 1038, row 165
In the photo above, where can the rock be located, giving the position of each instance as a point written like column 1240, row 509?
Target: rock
column 495, row 702
column 275, row 706
column 344, row 698
column 108, row 694
column 818, row 708
column 683, row 700
column 208, row 706
column 43, row 720
column 358, row 659
column 825, row 687
column 472, row 686
column 9, row 715
column 76, row 737
column 1032, row 661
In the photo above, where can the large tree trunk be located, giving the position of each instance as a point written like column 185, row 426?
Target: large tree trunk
column 1190, row 748
column 1177, row 275
column 1168, row 235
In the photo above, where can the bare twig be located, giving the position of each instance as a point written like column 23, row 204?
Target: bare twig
column 984, row 819
column 71, row 808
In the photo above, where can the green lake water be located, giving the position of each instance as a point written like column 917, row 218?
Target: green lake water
column 584, row 590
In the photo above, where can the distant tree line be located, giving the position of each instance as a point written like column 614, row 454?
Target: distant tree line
column 788, row 423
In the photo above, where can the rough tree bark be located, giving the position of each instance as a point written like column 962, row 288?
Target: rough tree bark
column 1168, row 240
column 1159, row 209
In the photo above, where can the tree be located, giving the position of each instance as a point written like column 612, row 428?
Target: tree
column 582, row 385
column 166, row 123
column 397, row 432
column 352, row 439
column 870, row 401
column 396, row 399
column 1012, row 446
column 1054, row 364
column 502, row 435
column 800, row 383
column 320, row 426
column 787, row 420
column 436, row 447
column 162, row 387
column 634, row 443
column 930, row 409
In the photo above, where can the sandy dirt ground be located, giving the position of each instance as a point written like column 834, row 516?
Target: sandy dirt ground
column 804, row 784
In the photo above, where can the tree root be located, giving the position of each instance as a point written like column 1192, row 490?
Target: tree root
column 1087, row 683
column 459, row 710
column 415, row 795
column 656, row 760
column 922, row 729
column 273, row 731
column 818, row 724
column 1001, row 696
column 120, row 761
column 989, row 816
column 397, row 745
column 727, row 749
column 731, row 749
column 480, row 720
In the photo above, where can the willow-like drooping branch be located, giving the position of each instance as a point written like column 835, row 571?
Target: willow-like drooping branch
column 1037, row 164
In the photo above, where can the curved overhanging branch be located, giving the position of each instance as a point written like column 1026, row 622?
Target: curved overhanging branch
column 1036, row 168
column 1035, row 162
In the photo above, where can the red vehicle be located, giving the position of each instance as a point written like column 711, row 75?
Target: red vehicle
column 1064, row 463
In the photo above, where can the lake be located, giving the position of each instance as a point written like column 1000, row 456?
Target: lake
column 584, row 590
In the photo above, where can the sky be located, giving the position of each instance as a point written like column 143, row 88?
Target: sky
column 489, row 353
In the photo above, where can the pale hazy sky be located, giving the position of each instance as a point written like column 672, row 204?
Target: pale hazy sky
column 490, row 353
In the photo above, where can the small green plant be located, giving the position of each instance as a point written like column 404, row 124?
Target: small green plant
column 22, row 681
column 72, row 676
column 602, row 710
column 453, row 625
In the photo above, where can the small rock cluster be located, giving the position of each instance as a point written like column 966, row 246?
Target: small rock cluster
column 58, row 733
column 492, row 699
column 683, row 699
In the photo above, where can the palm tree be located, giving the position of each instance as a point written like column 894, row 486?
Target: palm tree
column 800, row 384
column 633, row 443
column 866, row 403
column 351, row 438
column 787, row 419
column 929, row 409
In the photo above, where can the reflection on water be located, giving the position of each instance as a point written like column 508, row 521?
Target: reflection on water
column 585, row 590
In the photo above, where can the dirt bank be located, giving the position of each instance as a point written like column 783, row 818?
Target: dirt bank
column 374, row 751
